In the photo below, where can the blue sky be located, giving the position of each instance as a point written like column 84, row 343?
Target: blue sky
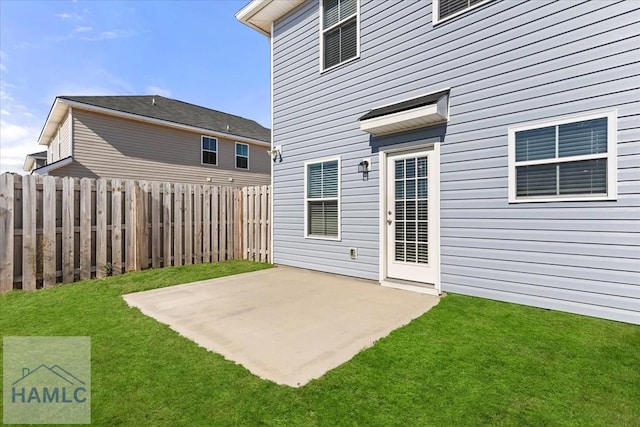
column 194, row 51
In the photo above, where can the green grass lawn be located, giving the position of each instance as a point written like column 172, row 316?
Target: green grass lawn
column 467, row 362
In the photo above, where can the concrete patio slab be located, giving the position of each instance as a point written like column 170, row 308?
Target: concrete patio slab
column 283, row 324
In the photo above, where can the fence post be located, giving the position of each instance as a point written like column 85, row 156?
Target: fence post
column 6, row 231
column 166, row 224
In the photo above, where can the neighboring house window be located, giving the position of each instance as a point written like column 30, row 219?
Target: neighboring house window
column 322, row 199
column 242, row 156
column 443, row 9
column 209, row 151
column 566, row 159
column 339, row 31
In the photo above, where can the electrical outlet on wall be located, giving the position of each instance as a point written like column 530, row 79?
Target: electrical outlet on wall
column 353, row 253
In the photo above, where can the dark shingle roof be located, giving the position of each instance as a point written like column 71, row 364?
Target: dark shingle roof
column 175, row 111
column 39, row 154
column 405, row 105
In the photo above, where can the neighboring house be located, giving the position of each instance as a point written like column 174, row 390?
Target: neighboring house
column 153, row 138
column 34, row 161
column 502, row 139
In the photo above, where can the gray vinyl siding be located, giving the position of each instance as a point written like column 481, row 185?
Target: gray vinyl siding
column 64, row 132
column 506, row 63
column 112, row 147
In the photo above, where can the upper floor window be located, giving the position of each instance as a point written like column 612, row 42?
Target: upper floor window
column 209, row 151
column 443, row 9
column 339, row 31
column 565, row 159
column 242, row 156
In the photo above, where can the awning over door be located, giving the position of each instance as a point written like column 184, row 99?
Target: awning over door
column 423, row 111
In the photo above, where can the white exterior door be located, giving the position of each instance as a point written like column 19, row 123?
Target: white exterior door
column 412, row 226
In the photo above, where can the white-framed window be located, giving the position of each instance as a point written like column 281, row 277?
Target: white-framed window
column 322, row 199
column 209, row 151
column 567, row 159
column 340, row 32
column 445, row 9
column 242, row 156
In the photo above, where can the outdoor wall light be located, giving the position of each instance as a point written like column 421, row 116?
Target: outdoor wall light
column 276, row 153
column 364, row 167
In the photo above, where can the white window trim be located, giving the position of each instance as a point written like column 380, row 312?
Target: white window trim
column 323, row 30
column 610, row 155
column 306, row 200
column 235, row 148
column 435, row 12
column 202, row 150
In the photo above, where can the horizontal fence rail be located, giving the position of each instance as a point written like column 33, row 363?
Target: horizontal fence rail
column 60, row 230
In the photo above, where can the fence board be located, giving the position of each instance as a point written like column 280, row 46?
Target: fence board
column 85, row 229
column 7, row 201
column 166, row 224
column 263, row 223
column 142, row 225
column 215, row 224
column 197, row 224
column 28, row 233
column 177, row 224
column 101, row 228
column 155, row 225
column 206, row 224
column 188, row 224
column 129, row 229
column 223, row 223
column 49, row 266
column 116, row 227
column 68, row 225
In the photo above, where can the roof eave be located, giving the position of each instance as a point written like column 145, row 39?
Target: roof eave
column 56, row 114
column 259, row 14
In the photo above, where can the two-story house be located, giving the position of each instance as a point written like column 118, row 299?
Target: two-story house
column 153, row 138
column 482, row 147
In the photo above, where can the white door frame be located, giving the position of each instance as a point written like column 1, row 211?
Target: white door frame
column 383, row 156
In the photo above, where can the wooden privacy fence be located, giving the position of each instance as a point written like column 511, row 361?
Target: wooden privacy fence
column 66, row 229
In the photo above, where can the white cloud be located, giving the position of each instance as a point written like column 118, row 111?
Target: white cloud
column 82, row 29
column 109, row 35
column 156, row 90
column 16, row 141
column 69, row 16
column 19, row 132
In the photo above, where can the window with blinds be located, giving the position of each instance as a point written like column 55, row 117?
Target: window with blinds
column 339, row 31
column 322, row 199
column 567, row 159
column 447, row 8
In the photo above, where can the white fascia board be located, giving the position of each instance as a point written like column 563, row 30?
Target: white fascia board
column 56, row 115
column 28, row 163
column 130, row 116
column 260, row 14
column 403, row 120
